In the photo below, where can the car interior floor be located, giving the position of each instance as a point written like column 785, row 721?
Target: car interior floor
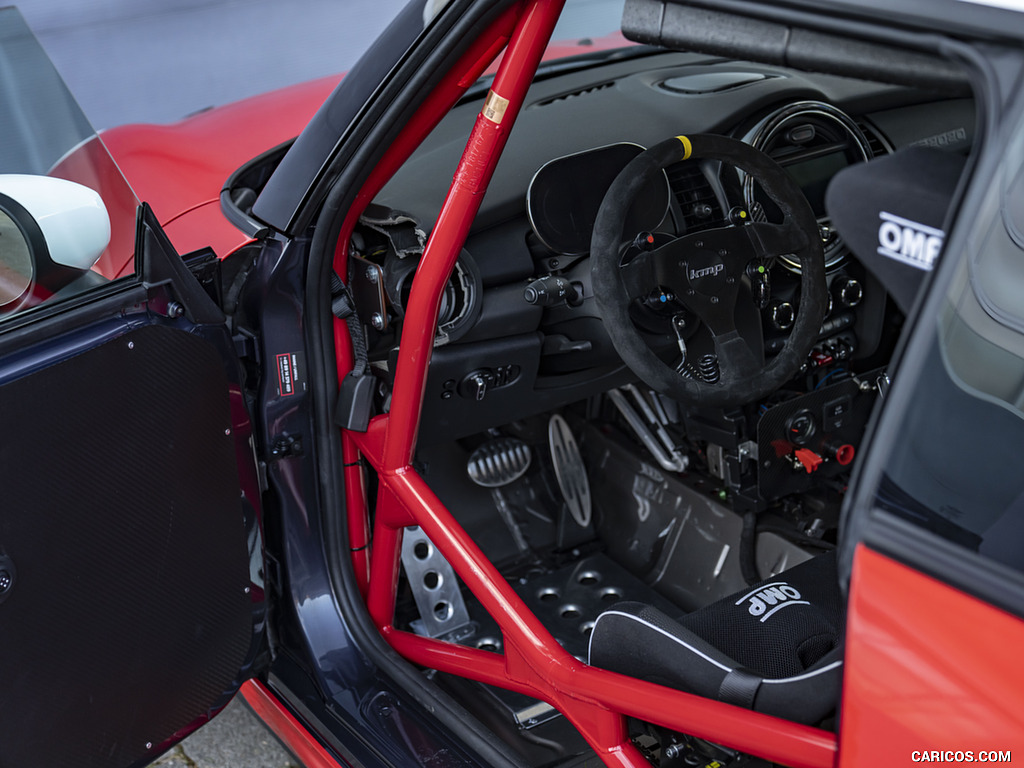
column 576, row 527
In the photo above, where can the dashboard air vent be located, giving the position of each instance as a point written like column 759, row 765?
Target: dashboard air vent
column 696, row 198
column 876, row 140
column 575, row 94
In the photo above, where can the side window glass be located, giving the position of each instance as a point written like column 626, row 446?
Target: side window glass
column 67, row 215
column 955, row 468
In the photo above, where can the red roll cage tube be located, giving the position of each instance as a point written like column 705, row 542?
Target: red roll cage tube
column 596, row 701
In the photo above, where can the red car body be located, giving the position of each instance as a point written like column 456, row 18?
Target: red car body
column 180, row 169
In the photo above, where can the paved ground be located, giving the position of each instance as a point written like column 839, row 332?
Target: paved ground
column 234, row 739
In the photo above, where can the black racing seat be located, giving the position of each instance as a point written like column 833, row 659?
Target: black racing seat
column 775, row 647
column 890, row 212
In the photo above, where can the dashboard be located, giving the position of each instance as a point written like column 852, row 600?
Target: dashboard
column 519, row 333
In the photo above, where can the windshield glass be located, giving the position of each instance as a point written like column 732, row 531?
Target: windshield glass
column 587, row 30
column 589, row 20
column 46, row 134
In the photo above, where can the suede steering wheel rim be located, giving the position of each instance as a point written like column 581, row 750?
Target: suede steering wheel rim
column 704, row 270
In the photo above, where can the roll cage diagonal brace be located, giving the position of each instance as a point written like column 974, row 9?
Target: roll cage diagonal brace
column 596, row 701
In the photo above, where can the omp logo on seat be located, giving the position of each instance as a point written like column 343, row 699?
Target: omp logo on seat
column 909, row 241
column 765, row 601
column 711, row 271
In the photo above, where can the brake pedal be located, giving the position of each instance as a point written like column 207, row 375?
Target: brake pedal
column 499, row 462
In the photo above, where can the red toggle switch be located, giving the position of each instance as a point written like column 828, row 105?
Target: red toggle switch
column 820, row 357
column 808, row 458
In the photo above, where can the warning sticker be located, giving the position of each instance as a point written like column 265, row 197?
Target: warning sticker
column 290, row 374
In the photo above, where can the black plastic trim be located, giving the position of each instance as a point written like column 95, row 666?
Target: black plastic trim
column 51, row 320
column 292, row 687
column 246, row 223
column 157, row 262
column 797, row 43
column 957, row 17
column 882, row 20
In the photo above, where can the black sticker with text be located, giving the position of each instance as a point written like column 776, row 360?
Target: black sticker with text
column 290, row 374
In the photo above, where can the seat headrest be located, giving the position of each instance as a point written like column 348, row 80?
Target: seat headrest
column 890, row 211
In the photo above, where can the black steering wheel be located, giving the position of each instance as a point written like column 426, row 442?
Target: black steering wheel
column 705, row 270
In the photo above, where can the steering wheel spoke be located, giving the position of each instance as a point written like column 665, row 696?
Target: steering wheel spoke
column 639, row 276
column 770, row 240
column 664, row 267
column 735, row 357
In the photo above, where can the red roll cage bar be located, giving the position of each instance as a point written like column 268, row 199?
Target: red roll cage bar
column 596, row 701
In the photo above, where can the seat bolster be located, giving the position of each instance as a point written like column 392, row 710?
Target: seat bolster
column 805, row 698
column 640, row 641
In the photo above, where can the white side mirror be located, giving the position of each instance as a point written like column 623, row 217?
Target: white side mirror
column 51, row 232
column 72, row 218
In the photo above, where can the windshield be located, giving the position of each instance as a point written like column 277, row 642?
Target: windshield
column 586, row 27
column 588, row 20
column 46, row 134
column 587, row 31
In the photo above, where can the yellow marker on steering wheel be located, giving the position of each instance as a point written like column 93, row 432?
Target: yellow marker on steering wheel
column 687, row 147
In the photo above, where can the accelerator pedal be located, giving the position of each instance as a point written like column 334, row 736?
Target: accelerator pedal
column 570, row 471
